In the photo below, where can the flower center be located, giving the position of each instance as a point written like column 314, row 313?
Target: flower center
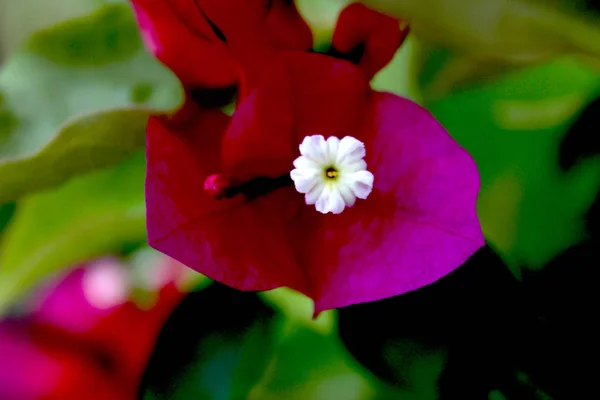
column 331, row 173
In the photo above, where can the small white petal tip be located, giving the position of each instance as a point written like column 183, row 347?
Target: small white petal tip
column 332, row 173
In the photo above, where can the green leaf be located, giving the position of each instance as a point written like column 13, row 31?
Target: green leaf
column 77, row 98
column 529, row 209
column 441, row 72
column 291, row 372
column 312, row 373
column 299, row 309
column 321, row 17
column 109, row 35
column 88, row 217
column 314, row 365
column 20, row 18
column 516, row 31
column 400, row 75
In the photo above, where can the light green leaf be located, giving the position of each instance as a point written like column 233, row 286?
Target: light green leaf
column 76, row 98
column 298, row 309
column 326, row 371
column 321, row 17
column 516, row 31
column 90, row 216
column 400, row 75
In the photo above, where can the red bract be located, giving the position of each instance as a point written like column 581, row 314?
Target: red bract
column 83, row 339
column 374, row 36
column 219, row 43
column 418, row 224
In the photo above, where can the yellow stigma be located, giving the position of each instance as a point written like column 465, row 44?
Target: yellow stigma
column 331, row 173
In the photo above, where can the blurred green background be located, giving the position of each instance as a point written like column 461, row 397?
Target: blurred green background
column 76, row 87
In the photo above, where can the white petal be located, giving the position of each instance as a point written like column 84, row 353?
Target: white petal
column 337, row 202
column 306, row 163
column 361, row 183
column 304, row 179
column 333, row 145
column 355, row 166
column 330, row 201
column 315, row 148
column 313, row 195
column 350, row 150
column 346, row 193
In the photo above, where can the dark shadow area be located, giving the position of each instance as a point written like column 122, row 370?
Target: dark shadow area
column 592, row 5
column 566, row 295
column 213, row 97
column 354, row 55
column 531, row 339
column 581, row 140
column 477, row 314
column 203, row 336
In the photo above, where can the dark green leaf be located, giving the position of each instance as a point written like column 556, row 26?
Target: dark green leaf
column 7, row 210
column 21, row 18
column 108, row 36
column 215, row 346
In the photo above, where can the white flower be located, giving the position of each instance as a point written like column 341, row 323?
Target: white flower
column 332, row 173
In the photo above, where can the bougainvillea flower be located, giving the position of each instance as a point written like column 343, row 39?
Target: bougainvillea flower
column 34, row 366
column 82, row 337
column 367, row 37
column 218, row 43
column 226, row 204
